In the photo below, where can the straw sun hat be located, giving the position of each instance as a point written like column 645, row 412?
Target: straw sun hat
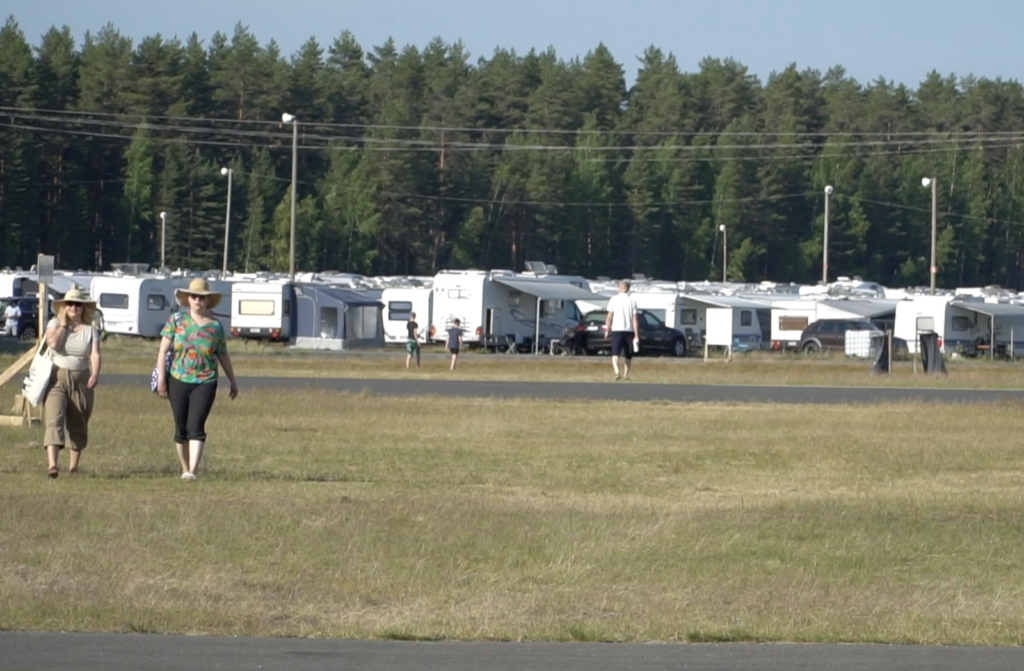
column 77, row 297
column 198, row 287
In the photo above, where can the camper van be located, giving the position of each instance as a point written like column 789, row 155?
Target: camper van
column 502, row 309
column 263, row 310
column 141, row 305
column 399, row 303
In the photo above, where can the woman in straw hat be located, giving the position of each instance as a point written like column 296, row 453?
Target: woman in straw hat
column 75, row 349
column 198, row 344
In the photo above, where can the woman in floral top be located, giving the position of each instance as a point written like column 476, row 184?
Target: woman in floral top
column 198, row 345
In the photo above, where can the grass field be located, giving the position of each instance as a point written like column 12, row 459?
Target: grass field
column 345, row 515
column 137, row 356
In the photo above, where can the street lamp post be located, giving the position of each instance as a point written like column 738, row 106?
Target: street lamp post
column 227, row 220
column 930, row 182
column 725, row 253
column 824, row 243
column 290, row 119
column 163, row 240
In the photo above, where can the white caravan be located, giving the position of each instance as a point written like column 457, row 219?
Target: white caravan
column 789, row 319
column 399, row 303
column 141, row 305
column 962, row 324
column 668, row 306
column 17, row 283
column 501, row 308
column 263, row 310
column 745, row 329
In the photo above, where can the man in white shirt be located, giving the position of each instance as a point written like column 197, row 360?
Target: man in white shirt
column 623, row 326
column 12, row 316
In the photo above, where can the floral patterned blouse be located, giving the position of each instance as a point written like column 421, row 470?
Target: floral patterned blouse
column 195, row 348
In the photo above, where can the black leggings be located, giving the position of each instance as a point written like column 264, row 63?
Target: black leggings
column 191, row 405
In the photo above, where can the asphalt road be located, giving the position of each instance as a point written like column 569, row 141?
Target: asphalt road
column 624, row 391
column 138, row 652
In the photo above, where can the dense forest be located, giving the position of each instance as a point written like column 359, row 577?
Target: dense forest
column 412, row 160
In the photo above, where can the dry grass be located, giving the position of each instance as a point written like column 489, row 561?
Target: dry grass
column 353, row 516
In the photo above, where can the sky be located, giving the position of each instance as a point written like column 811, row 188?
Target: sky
column 898, row 40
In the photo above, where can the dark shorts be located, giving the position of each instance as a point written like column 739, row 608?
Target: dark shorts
column 622, row 344
column 411, row 346
column 453, row 350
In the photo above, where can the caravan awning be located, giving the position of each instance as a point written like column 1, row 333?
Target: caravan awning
column 1004, row 312
column 726, row 302
column 550, row 291
column 865, row 309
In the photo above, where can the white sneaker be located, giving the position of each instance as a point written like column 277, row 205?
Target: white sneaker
column 188, row 476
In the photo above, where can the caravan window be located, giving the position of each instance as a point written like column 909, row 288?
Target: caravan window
column 551, row 308
column 746, row 318
column 459, row 293
column 792, row 323
column 399, row 311
column 155, row 302
column 961, row 323
column 687, row 316
column 116, row 301
column 258, row 308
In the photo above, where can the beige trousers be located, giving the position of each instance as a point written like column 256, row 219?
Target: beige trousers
column 67, row 407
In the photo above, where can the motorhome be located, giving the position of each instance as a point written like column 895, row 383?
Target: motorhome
column 503, row 309
column 263, row 310
column 141, row 305
column 399, row 303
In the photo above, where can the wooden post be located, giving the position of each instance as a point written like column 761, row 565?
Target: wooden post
column 41, row 326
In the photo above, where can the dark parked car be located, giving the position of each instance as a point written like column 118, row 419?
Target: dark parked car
column 655, row 337
column 28, row 325
column 830, row 334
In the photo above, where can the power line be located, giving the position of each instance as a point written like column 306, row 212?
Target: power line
column 527, row 131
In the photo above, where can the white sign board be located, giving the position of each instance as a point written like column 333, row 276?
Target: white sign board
column 719, row 327
column 925, row 324
column 44, row 269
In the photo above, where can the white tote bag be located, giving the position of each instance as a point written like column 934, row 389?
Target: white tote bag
column 38, row 379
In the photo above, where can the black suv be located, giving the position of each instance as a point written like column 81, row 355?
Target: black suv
column 28, row 325
column 830, row 334
column 655, row 337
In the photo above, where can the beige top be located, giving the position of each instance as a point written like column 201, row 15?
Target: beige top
column 74, row 353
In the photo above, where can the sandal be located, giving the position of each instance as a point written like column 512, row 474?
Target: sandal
column 53, row 472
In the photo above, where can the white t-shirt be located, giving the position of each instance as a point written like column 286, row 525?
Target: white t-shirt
column 12, row 313
column 622, row 308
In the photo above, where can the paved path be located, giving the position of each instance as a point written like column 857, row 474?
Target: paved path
column 138, row 652
column 628, row 391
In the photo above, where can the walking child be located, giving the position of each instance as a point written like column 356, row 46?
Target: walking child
column 454, row 342
column 412, row 345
